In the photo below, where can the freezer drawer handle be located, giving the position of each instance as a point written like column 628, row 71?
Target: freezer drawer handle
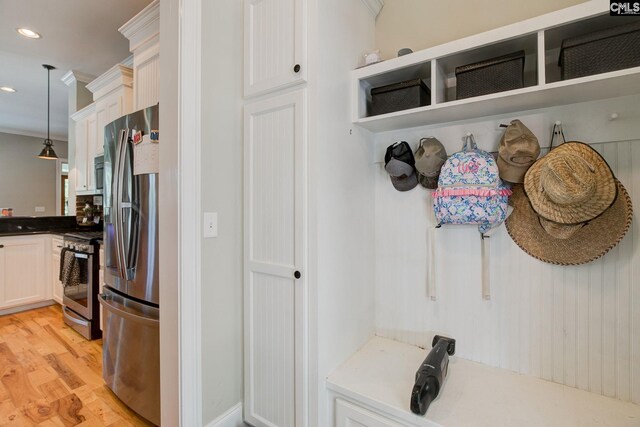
column 109, row 306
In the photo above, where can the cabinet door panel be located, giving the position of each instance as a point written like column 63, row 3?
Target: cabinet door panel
column 275, row 291
column 81, row 156
column 275, row 44
column 91, row 151
column 102, row 119
column 24, row 279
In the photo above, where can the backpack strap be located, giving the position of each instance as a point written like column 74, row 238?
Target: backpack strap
column 469, row 142
column 431, row 253
column 486, row 265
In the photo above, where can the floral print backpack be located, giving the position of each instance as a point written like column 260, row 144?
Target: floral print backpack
column 470, row 190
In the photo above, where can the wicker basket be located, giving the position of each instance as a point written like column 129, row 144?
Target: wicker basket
column 600, row 52
column 490, row 76
column 399, row 96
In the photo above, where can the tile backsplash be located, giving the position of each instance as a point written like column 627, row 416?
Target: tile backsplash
column 81, row 201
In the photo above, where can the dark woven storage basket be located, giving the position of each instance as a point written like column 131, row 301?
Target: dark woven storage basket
column 399, row 96
column 490, row 76
column 600, row 52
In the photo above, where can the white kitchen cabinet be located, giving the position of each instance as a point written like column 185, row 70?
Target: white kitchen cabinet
column 113, row 98
column 143, row 32
column 82, row 167
column 275, row 280
column 275, row 45
column 24, row 274
column 56, row 284
column 350, row 415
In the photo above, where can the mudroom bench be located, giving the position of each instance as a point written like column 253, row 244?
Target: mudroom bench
column 372, row 389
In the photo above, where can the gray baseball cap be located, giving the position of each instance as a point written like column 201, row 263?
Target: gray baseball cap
column 430, row 156
column 403, row 175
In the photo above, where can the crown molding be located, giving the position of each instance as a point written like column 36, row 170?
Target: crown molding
column 81, row 114
column 72, row 76
column 374, row 6
column 142, row 27
column 116, row 76
column 128, row 61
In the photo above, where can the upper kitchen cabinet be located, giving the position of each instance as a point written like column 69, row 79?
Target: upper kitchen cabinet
column 143, row 33
column 275, row 45
column 85, row 149
column 113, row 96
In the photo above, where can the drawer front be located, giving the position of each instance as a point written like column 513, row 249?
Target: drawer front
column 350, row 415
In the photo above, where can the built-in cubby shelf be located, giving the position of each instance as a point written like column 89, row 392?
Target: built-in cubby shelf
column 540, row 38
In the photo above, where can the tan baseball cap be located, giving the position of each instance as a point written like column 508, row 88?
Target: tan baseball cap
column 430, row 156
column 518, row 150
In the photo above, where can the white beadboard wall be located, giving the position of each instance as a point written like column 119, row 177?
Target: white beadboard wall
column 578, row 326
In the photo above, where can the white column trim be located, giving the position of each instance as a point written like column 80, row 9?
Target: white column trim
column 374, row 6
column 189, row 135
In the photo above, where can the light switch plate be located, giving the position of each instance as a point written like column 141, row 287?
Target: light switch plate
column 40, row 209
column 210, row 224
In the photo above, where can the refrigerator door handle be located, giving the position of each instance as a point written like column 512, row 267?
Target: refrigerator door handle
column 111, row 306
column 117, row 196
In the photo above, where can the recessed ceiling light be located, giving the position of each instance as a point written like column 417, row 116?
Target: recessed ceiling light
column 30, row 34
column 7, row 89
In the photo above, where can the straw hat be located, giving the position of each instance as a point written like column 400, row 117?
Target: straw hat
column 571, row 184
column 568, row 244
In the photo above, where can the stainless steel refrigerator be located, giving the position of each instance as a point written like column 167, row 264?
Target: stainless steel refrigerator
column 131, row 307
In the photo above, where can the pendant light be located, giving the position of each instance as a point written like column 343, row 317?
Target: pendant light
column 47, row 152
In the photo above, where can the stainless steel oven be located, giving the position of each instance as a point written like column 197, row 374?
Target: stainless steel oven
column 80, row 297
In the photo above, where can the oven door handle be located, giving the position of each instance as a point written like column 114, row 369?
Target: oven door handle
column 80, row 255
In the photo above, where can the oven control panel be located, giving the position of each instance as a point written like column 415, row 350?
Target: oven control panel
column 78, row 245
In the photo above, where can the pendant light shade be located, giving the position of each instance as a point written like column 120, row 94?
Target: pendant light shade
column 47, row 152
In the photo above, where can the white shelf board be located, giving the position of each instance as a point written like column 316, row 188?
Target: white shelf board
column 601, row 86
column 380, row 376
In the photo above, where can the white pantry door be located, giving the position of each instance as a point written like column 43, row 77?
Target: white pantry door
column 275, row 283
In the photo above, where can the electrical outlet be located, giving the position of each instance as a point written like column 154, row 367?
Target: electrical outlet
column 40, row 209
column 210, row 224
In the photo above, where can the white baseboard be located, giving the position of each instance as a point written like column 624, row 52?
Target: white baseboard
column 231, row 418
column 26, row 307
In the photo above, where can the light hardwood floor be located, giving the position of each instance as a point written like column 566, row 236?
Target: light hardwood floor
column 52, row 376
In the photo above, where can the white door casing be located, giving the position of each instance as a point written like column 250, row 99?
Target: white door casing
column 274, row 44
column 275, row 311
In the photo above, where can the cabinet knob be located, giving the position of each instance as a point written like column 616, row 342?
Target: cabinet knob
column 297, row 275
column 296, row 68
column 1, row 246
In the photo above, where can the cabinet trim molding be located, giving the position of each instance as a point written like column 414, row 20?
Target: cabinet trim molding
column 114, row 78
column 142, row 27
column 85, row 112
column 72, row 76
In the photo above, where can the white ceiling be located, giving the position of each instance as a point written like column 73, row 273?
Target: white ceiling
column 80, row 35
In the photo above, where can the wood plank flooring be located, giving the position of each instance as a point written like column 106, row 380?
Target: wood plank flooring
column 51, row 376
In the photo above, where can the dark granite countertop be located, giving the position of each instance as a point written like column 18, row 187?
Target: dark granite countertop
column 25, row 226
